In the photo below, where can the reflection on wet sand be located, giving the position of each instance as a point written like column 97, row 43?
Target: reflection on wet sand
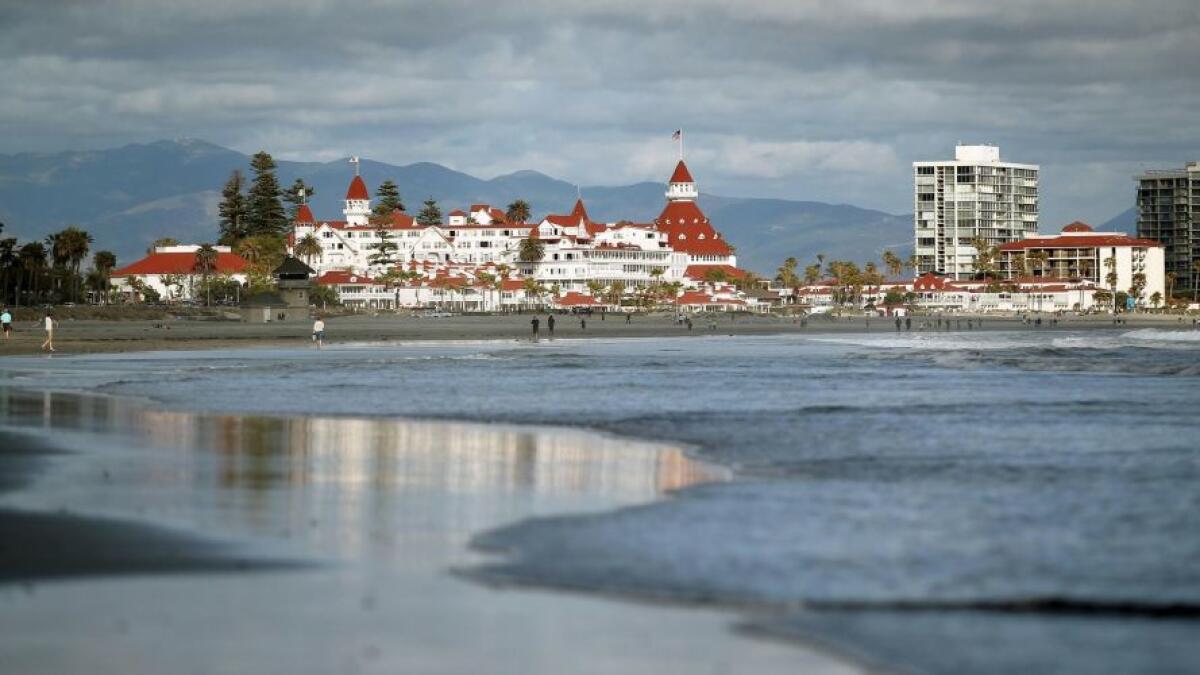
column 350, row 483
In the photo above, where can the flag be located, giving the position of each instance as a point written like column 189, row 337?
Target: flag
column 677, row 135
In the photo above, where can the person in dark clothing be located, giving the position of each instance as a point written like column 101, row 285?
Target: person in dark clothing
column 550, row 324
column 534, row 323
column 689, row 323
column 908, row 323
column 628, row 318
column 582, row 323
column 898, row 322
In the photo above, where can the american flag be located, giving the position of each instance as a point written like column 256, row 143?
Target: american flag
column 676, row 136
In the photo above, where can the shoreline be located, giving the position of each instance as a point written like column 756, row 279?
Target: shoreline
column 714, row 626
column 97, row 337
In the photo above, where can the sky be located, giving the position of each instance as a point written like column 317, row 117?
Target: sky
column 818, row 100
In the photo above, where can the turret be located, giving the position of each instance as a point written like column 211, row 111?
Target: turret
column 358, row 202
column 682, row 187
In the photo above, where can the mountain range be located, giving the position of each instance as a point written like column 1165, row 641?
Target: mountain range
column 129, row 196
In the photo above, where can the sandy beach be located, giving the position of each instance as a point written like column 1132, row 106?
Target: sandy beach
column 94, row 336
column 332, row 541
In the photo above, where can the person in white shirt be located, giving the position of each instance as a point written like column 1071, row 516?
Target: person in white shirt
column 49, row 323
column 6, row 323
column 318, row 334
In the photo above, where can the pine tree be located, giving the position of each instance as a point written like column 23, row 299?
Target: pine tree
column 430, row 215
column 296, row 195
column 264, row 209
column 232, row 210
column 388, row 199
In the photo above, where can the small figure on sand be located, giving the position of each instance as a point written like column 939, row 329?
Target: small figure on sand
column 898, row 322
column 550, row 325
column 6, row 323
column 628, row 318
column 48, row 322
column 582, row 323
column 534, row 324
column 318, row 333
column 908, row 323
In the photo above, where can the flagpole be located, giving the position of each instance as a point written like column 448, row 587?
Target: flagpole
column 681, row 145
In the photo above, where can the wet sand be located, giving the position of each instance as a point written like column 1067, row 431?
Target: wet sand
column 78, row 337
column 379, row 510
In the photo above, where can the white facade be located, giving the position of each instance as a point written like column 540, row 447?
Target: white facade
column 974, row 196
column 578, row 252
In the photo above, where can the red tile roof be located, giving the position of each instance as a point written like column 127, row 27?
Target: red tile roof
column 1078, row 226
column 180, row 263
column 1078, row 241
column 304, row 215
column 688, row 230
column 574, row 299
column 698, row 272
column 333, row 277
column 681, row 175
column 357, row 189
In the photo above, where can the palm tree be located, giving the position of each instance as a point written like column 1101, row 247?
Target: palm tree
column 252, row 249
column 32, row 258
column 1171, row 277
column 1155, row 299
column 8, row 265
column 308, row 248
column 104, row 262
column 518, row 212
column 534, row 289
column 532, row 249
column 893, row 263
column 206, row 262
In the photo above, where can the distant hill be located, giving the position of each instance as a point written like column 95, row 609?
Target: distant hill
column 1126, row 222
column 129, row 196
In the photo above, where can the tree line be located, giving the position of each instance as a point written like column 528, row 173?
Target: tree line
column 51, row 271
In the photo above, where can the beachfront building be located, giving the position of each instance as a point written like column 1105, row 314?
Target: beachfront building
column 1168, row 204
column 580, row 254
column 976, row 196
column 1110, row 260
column 172, row 273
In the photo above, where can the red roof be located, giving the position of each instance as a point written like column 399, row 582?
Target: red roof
column 698, row 272
column 180, row 263
column 689, row 231
column 681, row 175
column 457, row 212
column 1078, row 241
column 304, row 215
column 512, row 284
column 333, row 277
column 575, row 299
column 1078, row 226
column 357, row 189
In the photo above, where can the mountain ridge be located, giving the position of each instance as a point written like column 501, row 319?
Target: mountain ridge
column 130, row 195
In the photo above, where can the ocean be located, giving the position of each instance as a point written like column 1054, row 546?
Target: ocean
column 981, row 502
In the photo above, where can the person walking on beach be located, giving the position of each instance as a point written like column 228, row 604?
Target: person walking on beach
column 583, row 323
column 908, row 323
column 898, row 322
column 534, row 324
column 318, row 334
column 48, row 322
column 550, row 325
column 628, row 318
column 6, row 323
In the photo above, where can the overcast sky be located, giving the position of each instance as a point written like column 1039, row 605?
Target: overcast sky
column 809, row 99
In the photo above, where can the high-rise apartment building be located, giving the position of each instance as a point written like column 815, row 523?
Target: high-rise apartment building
column 975, row 196
column 1168, row 205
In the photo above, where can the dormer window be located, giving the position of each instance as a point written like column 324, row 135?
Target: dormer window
column 682, row 237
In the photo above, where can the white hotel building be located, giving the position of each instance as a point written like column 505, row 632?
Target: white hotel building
column 681, row 243
column 975, row 196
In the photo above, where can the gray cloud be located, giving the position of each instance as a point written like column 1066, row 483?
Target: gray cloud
column 803, row 99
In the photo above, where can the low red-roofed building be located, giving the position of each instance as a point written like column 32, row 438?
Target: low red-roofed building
column 173, row 273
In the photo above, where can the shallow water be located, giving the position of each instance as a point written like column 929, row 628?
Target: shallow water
column 949, row 502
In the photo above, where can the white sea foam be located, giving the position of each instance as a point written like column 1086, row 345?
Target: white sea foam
column 1160, row 335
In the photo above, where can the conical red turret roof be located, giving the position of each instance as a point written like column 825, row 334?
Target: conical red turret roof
column 357, row 189
column 579, row 211
column 304, row 215
column 681, row 175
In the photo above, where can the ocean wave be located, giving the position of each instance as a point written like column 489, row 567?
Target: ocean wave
column 1161, row 335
